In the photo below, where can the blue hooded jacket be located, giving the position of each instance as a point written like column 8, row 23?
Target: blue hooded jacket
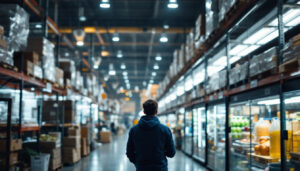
column 149, row 144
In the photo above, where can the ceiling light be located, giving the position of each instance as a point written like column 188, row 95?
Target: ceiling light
column 237, row 49
column 105, row 53
column 123, row 66
column 163, row 38
column 116, row 37
column 158, row 58
column 258, row 35
column 119, row 54
column 38, row 26
column 136, row 88
column 105, row 4
column 172, row 4
column 156, row 67
column 67, row 54
column 166, row 26
column 112, row 72
column 153, row 73
column 82, row 18
column 80, row 43
column 125, row 73
column 79, row 35
column 151, row 82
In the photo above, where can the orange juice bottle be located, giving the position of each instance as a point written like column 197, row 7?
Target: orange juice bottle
column 275, row 138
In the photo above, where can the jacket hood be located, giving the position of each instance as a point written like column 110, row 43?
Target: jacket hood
column 148, row 122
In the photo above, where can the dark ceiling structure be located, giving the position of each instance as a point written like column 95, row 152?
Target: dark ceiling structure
column 139, row 24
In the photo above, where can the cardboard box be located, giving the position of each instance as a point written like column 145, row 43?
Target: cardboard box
column 74, row 132
column 85, row 131
column 55, row 163
column 84, row 147
column 72, row 155
column 1, row 30
column 105, row 137
column 49, row 111
column 72, row 142
column 3, row 43
column 55, row 157
column 15, row 145
column 27, row 64
column 37, row 71
column 30, row 56
column 59, row 76
column 13, row 159
column 200, row 27
column 49, row 144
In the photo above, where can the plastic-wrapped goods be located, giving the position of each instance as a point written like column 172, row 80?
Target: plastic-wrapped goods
column 46, row 51
column 15, row 21
column 79, row 81
column 243, row 70
column 225, row 6
column 213, row 83
column 59, row 76
column 234, row 75
column 190, row 45
column 291, row 53
column 199, row 27
column 209, row 26
column 263, row 62
column 181, row 56
column 222, row 78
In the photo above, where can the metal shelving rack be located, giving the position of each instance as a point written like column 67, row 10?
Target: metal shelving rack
column 221, row 37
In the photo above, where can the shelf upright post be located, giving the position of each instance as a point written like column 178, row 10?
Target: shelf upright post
column 281, row 41
column 206, row 108
column 57, row 111
column 8, row 131
column 227, row 128
column 62, row 127
column 21, row 86
column 39, row 124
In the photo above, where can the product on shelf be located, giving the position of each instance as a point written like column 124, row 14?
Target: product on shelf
column 213, row 83
column 105, row 136
column 181, row 56
column 234, row 74
column 291, row 52
column 37, row 71
column 190, row 45
column 263, row 62
column 222, row 78
column 264, row 147
column 49, row 111
column 15, row 145
column 15, row 21
column 199, row 27
column 30, row 56
column 262, row 129
column 68, row 66
column 59, row 76
column 45, row 49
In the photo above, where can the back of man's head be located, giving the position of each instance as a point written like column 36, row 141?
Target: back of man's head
column 150, row 107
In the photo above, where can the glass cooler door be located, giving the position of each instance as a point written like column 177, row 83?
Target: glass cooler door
column 240, row 136
column 188, row 131
column 216, row 136
column 199, row 137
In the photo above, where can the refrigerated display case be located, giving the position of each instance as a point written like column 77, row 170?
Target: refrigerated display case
column 292, row 111
column 188, row 131
column 216, row 136
column 179, row 133
column 199, row 136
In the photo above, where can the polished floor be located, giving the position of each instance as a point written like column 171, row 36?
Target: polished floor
column 111, row 157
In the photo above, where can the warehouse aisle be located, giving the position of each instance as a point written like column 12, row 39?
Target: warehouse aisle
column 111, row 157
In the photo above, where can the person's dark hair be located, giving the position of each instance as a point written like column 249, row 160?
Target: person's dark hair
column 150, row 107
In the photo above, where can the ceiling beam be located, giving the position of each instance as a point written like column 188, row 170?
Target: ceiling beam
column 122, row 44
column 122, row 30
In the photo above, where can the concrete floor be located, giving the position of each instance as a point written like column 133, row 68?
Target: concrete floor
column 111, row 157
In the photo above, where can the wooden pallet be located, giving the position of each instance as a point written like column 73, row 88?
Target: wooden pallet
column 289, row 65
column 265, row 74
column 58, row 168
column 263, row 159
column 8, row 66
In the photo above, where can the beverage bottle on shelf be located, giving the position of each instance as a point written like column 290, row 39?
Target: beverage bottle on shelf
column 275, row 138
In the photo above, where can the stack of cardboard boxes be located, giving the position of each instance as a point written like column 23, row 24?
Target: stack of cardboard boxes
column 3, row 43
column 85, row 141
column 31, row 63
column 105, row 136
column 68, row 67
column 15, row 145
column 49, row 111
column 51, row 144
column 72, row 150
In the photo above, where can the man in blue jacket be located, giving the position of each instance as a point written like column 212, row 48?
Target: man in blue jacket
column 150, row 142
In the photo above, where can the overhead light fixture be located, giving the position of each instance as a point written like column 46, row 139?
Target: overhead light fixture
column 144, row 83
column 123, row 66
column 81, row 14
column 111, row 70
column 97, row 61
column 38, row 26
column 164, row 38
column 173, row 4
column 119, row 54
column 151, row 82
column 136, row 88
column 79, row 35
column 104, row 4
column 156, row 67
column 125, row 73
column 79, row 43
column 166, row 26
column 158, row 58
column 67, row 54
column 104, row 52
column 153, row 73
column 237, row 49
column 116, row 37
column 258, row 35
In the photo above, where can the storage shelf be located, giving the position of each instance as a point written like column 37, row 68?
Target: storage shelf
column 24, row 128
